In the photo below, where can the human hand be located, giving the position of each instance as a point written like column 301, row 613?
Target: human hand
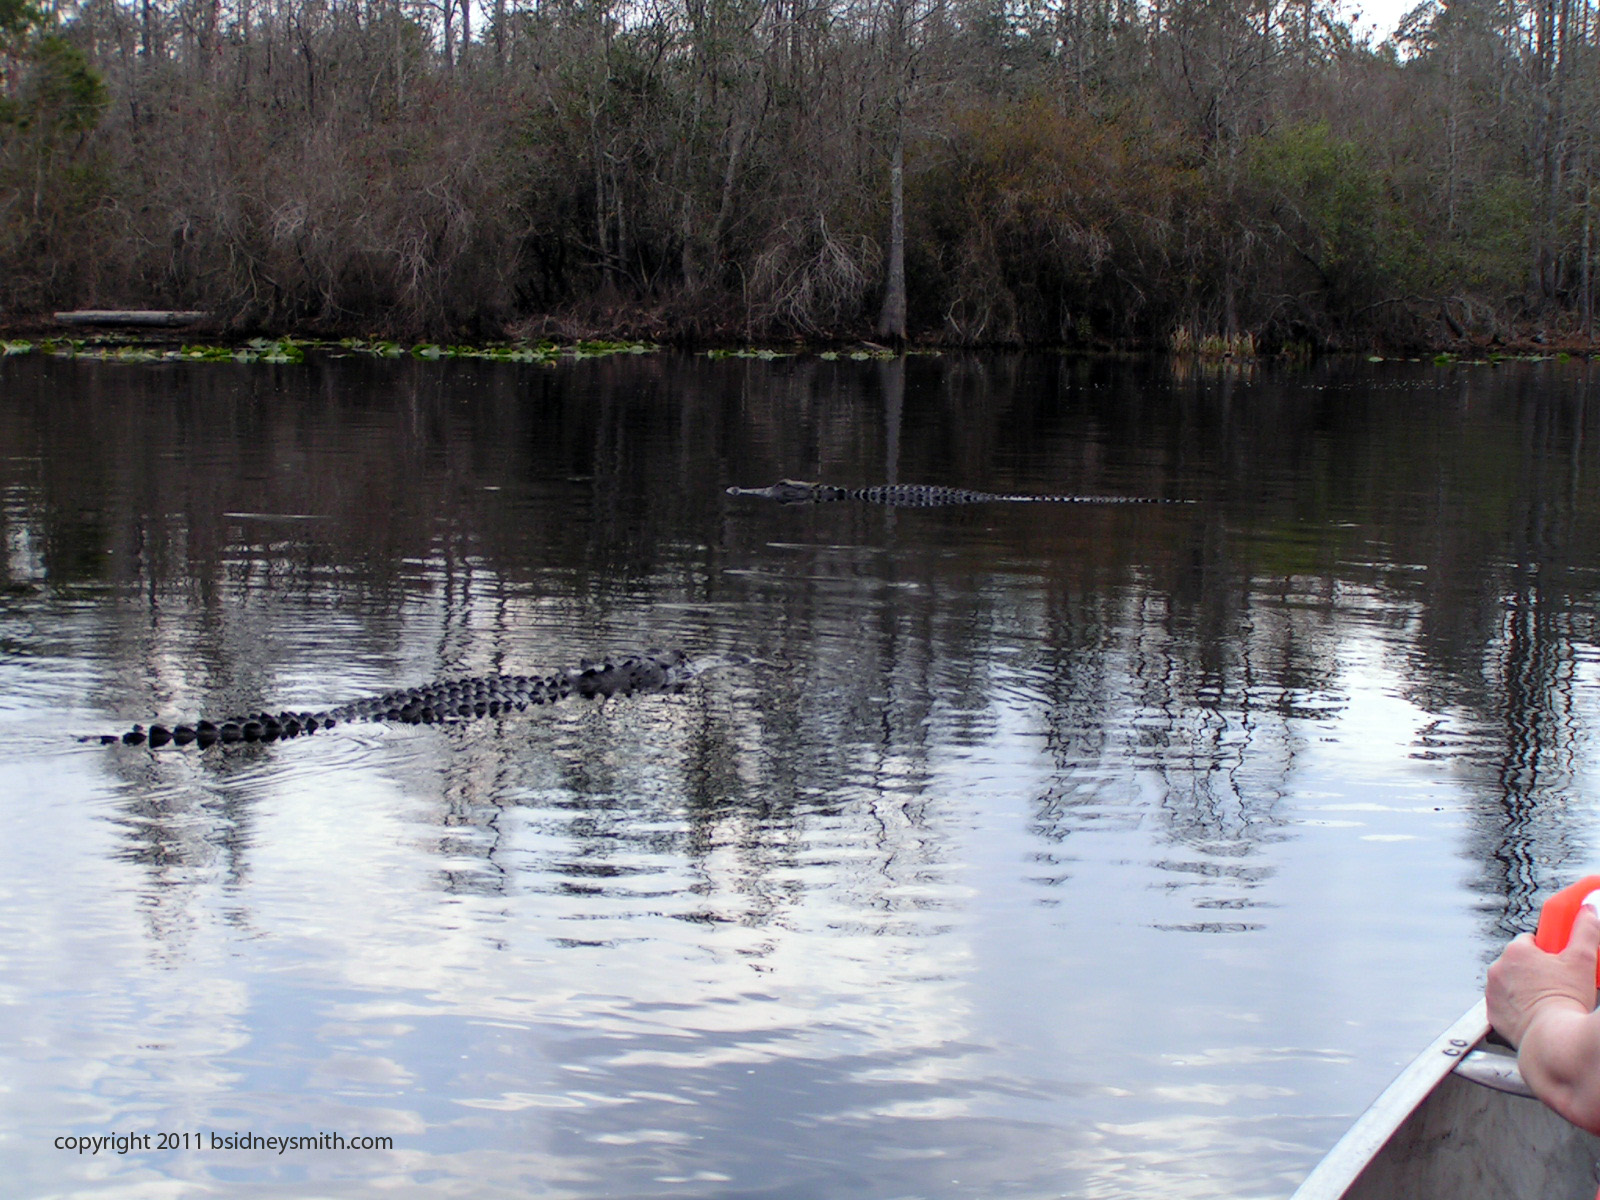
column 1525, row 982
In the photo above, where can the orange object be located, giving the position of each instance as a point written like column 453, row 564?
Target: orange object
column 1558, row 914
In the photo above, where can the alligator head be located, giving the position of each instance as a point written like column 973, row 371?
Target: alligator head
column 922, row 495
column 794, row 491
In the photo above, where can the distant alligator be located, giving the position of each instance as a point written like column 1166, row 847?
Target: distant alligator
column 919, row 495
column 450, row 700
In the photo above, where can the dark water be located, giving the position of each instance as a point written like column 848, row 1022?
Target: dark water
column 1038, row 851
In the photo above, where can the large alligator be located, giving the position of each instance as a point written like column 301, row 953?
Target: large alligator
column 920, row 495
column 449, row 700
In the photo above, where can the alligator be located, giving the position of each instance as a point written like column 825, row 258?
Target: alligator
column 919, row 495
column 446, row 700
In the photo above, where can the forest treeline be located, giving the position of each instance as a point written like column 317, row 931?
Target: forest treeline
column 1078, row 172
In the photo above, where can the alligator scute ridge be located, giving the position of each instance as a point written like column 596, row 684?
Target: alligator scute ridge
column 462, row 699
column 922, row 495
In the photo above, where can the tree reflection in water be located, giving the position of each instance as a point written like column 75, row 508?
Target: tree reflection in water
column 839, row 862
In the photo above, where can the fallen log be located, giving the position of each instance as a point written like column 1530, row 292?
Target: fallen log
column 134, row 316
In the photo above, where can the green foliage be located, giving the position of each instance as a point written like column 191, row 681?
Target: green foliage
column 59, row 91
column 63, row 93
column 1332, row 213
column 18, row 18
column 1488, row 250
column 54, row 178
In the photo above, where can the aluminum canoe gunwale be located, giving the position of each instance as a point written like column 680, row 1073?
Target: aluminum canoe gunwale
column 1458, row 1123
column 1351, row 1154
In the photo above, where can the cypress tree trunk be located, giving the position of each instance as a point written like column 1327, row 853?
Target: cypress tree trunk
column 892, row 319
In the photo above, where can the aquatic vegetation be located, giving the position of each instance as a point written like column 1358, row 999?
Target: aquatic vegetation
column 762, row 353
column 205, row 353
column 874, row 354
column 1213, row 345
column 767, row 354
column 290, row 350
column 597, row 349
column 282, row 352
column 524, row 352
column 379, row 347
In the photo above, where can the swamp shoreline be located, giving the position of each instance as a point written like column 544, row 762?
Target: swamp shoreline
column 549, row 339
